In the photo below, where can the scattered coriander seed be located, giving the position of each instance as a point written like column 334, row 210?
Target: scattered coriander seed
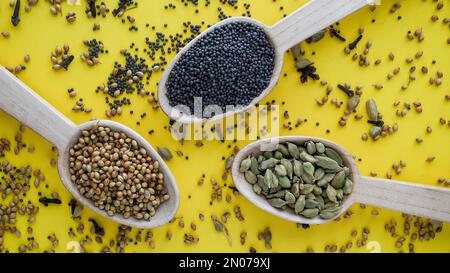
column 378, row 86
column 391, row 56
column 71, row 17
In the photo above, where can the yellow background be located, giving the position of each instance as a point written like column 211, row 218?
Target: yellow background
column 39, row 32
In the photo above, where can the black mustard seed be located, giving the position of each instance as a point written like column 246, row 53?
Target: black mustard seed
column 230, row 65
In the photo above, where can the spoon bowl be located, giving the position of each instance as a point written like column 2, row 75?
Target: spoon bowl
column 301, row 24
column 176, row 114
column 415, row 199
column 22, row 103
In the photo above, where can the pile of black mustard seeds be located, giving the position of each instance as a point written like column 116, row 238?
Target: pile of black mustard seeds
column 230, row 65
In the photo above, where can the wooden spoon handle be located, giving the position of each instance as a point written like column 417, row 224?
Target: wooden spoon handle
column 310, row 19
column 414, row 199
column 19, row 101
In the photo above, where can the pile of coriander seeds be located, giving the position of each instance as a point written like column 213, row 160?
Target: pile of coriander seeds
column 116, row 174
column 309, row 178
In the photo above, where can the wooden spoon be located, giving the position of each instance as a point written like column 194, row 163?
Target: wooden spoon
column 301, row 24
column 414, row 199
column 19, row 101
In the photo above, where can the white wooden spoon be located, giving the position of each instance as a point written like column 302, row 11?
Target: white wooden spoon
column 301, row 24
column 19, row 101
column 414, row 199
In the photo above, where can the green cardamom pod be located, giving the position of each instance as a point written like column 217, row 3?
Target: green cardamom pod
column 267, row 164
column 300, row 204
column 310, row 213
column 317, row 190
column 288, row 166
column 310, row 147
column 245, row 165
column 229, row 162
column 330, row 213
column 268, row 154
column 268, row 179
column 321, row 202
column 310, row 196
column 280, row 170
column 277, row 202
column 346, row 170
column 353, row 102
column 338, row 180
column 254, row 166
column 375, row 131
column 296, row 50
column 165, row 153
column 319, row 173
column 339, row 194
column 372, row 111
column 277, row 155
column 293, row 150
column 307, row 157
column 317, row 36
column 295, row 189
column 289, row 197
column 250, row 177
column 284, row 182
column 302, row 63
column 275, row 181
column 331, row 205
column 262, row 183
column 261, row 158
column 257, row 189
column 278, row 194
column 348, row 186
column 334, row 155
column 309, row 179
column 298, row 168
column 308, row 168
column 331, row 193
column 311, row 204
column 325, row 179
column 327, row 163
column 283, row 149
column 275, row 189
column 307, row 188
column 320, row 148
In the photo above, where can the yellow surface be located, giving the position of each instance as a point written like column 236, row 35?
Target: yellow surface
column 39, row 33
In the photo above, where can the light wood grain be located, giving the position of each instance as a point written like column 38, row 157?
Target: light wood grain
column 21, row 102
column 411, row 198
column 415, row 199
column 309, row 19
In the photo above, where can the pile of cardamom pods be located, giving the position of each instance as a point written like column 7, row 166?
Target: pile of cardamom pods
column 310, row 178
